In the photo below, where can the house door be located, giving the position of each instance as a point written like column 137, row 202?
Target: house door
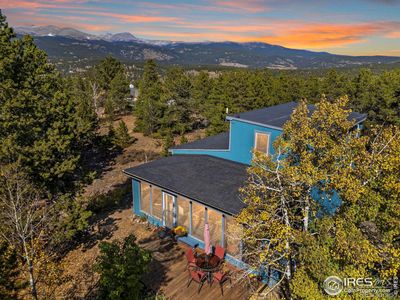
column 168, row 210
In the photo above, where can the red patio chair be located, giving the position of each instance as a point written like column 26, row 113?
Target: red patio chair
column 197, row 276
column 191, row 260
column 220, row 252
column 220, row 277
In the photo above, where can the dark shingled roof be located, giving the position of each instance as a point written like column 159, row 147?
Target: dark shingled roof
column 219, row 141
column 206, row 179
column 278, row 115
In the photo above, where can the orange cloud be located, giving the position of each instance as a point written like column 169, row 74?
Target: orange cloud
column 298, row 34
column 393, row 35
column 327, row 35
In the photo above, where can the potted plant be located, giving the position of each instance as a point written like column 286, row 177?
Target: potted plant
column 180, row 231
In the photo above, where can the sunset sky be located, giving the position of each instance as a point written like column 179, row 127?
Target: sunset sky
column 359, row 27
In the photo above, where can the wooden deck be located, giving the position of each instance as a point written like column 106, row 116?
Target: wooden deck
column 169, row 277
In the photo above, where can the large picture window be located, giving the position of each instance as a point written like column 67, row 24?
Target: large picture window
column 156, row 199
column 183, row 217
column 145, row 197
column 215, row 224
column 232, row 233
column 261, row 143
column 198, row 220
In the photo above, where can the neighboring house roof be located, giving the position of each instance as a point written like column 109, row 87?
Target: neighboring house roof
column 216, row 142
column 212, row 181
column 276, row 116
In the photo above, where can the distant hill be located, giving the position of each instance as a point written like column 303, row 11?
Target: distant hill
column 67, row 45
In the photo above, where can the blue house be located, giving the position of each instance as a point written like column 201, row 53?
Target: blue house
column 199, row 183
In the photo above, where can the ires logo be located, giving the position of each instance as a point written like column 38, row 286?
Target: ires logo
column 334, row 285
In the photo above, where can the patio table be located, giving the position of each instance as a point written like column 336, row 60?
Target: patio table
column 208, row 264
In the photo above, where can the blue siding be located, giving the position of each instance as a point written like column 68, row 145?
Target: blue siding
column 136, row 197
column 329, row 201
column 241, row 142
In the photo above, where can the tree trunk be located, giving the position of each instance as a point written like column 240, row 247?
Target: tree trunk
column 32, row 281
column 306, row 216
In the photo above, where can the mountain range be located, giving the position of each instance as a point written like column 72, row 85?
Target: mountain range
column 68, row 45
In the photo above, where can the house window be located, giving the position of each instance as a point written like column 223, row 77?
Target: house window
column 183, row 212
column 169, row 210
column 261, row 143
column 157, row 204
column 145, row 197
column 215, row 224
column 232, row 234
column 198, row 220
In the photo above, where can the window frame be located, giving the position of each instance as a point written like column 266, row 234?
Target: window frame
column 174, row 208
column 150, row 204
column 268, row 134
column 158, row 218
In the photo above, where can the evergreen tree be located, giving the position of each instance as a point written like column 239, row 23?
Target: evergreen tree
column 119, row 91
column 201, row 88
column 177, row 99
column 121, row 266
column 183, row 139
column 107, row 70
column 168, row 143
column 38, row 124
column 78, row 90
column 10, row 282
column 149, row 108
column 109, row 109
column 122, row 137
column 215, row 110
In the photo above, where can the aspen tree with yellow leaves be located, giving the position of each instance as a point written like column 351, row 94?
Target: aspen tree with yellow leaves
column 326, row 203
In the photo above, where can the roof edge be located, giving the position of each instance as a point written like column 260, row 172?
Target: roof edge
column 229, row 118
column 176, row 192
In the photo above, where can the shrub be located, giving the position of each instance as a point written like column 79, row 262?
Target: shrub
column 10, row 282
column 69, row 220
column 168, row 143
column 121, row 266
column 109, row 200
column 120, row 137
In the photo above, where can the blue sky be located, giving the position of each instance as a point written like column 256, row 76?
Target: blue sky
column 358, row 27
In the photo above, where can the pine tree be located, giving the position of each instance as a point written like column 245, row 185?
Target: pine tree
column 215, row 110
column 109, row 109
column 39, row 127
column 10, row 282
column 78, row 90
column 177, row 99
column 107, row 70
column 183, row 139
column 168, row 143
column 149, row 108
column 122, row 137
column 119, row 91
